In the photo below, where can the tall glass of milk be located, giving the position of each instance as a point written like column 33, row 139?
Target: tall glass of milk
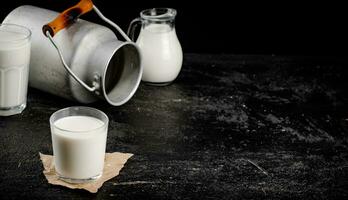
column 162, row 54
column 14, row 68
column 79, row 142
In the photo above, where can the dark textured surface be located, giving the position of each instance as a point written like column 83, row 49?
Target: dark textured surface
column 200, row 137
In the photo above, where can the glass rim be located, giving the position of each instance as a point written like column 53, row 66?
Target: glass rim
column 79, row 107
column 169, row 14
column 27, row 36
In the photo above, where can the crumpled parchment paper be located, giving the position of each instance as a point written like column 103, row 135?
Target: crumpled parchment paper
column 114, row 162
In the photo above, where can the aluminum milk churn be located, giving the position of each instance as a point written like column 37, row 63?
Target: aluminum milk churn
column 77, row 59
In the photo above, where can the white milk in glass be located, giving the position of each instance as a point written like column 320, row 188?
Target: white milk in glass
column 161, row 53
column 14, row 70
column 79, row 146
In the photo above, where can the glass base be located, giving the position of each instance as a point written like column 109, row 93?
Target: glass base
column 8, row 111
column 158, row 83
column 74, row 180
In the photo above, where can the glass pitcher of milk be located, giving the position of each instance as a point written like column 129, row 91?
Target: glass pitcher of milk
column 162, row 54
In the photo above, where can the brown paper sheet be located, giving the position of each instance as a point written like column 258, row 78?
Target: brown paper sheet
column 114, row 162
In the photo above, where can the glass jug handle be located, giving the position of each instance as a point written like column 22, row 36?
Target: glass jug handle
column 131, row 28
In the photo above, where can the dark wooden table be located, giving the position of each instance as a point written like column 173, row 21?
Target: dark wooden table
column 230, row 127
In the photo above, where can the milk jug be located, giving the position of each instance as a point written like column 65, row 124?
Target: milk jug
column 159, row 45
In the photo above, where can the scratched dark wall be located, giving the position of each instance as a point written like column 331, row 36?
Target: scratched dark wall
column 239, row 27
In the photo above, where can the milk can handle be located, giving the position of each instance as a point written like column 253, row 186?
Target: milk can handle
column 67, row 18
column 132, row 26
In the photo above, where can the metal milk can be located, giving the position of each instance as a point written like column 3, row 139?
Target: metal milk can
column 77, row 59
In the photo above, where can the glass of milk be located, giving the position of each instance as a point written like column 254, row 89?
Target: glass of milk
column 14, row 68
column 162, row 54
column 79, row 142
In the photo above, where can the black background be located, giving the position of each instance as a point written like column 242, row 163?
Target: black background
column 237, row 27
